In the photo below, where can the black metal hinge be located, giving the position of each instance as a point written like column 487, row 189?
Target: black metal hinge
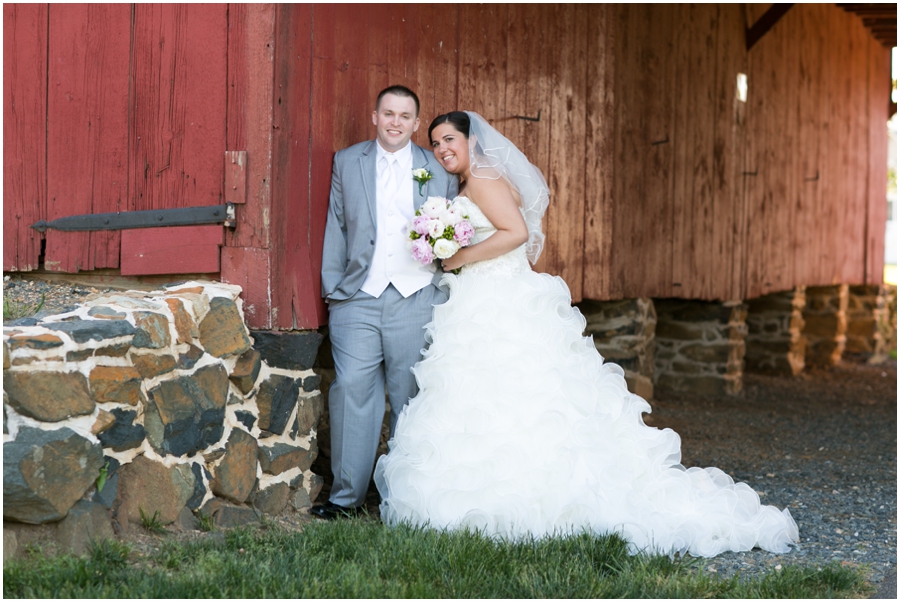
column 186, row 216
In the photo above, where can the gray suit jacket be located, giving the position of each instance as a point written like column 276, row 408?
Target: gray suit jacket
column 351, row 226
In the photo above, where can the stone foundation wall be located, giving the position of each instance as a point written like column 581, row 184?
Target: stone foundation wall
column 825, row 315
column 624, row 333
column 151, row 403
column 775, row 341
column 700, row 346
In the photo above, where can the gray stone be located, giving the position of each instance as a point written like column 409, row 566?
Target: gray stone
column 246, row 370
column 34, row 341
column 83, row 331
column 150, row 365
column 106, row 313
column 290, row 350
column 124, row 434
column 79, row 355
column 21, row 322
column 46, row 472
column 151, row 487
column 84, row 523
column 107, row 495
column 301, row 500
column 186, row 520
column 48, row 396
column 308, row 414
column 272, row 499
column 188, row 359
column 281, row 457
column 235, row 476
column 276, row 400
column 152, row 330
column 117, row 350
column 116, row 384
column 245, row 418
column 311, row 383
column 10, row 544
column 187, row 414
column 201, row 477
column 315, row 486
column 222, row 331
column 235, row 516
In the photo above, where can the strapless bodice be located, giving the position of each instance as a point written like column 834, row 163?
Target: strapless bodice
column 511, row 264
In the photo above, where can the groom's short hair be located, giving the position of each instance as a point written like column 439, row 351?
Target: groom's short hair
column 398, row 91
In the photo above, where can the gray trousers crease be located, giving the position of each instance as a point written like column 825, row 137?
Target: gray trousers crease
column 375, row 342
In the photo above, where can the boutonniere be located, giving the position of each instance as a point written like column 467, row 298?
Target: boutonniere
column 421, row 176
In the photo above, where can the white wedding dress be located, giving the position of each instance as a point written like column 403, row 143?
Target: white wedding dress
column 520, row 429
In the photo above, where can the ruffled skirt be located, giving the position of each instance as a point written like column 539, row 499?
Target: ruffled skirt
column 521, row 430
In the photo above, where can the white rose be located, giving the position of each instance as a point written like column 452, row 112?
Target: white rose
column 444, row 248
column 451, row 216
column 433, row 206
column 436, row 228
column 420, row 173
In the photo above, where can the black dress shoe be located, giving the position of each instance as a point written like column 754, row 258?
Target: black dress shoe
column 331, row 511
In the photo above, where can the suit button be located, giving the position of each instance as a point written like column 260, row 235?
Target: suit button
column 371, row 242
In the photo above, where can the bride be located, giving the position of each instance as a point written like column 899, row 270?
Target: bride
column 520, row 429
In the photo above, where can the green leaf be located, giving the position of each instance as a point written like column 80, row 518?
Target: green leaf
column 101, row 480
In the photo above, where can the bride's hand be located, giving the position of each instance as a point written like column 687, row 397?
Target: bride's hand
column 452, row 263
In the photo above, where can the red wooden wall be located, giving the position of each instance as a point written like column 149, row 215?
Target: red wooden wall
column 663, row 183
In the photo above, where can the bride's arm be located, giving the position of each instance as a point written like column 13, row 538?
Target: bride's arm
column 495, row 199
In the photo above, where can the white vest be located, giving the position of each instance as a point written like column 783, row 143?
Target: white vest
column 392, row 262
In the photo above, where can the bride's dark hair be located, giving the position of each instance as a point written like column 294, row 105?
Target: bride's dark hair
column 457, row 119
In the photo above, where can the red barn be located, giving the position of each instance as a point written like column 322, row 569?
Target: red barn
column 666, row 181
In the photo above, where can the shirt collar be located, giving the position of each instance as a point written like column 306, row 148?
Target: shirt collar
column 404, row 155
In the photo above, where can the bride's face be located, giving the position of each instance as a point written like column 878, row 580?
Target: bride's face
column 451, row 148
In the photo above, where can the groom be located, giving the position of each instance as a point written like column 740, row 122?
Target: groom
column 379, row 297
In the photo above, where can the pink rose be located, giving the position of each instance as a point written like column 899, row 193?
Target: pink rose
column 463, row 233
column 420, row 225
column 422, row 251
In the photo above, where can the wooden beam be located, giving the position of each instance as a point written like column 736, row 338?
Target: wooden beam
column 765, row 23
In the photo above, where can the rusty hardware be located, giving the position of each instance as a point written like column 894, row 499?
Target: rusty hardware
column 815, row 178
column 538, row 118
column 126, row 220
column 658, row 142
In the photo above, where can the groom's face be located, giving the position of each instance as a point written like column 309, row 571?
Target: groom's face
column 395, row 119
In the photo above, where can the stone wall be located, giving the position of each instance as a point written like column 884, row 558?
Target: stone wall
column 700, row 346
column 624, row 333
column 151, row 403
column 825, row 315
column 775, row 341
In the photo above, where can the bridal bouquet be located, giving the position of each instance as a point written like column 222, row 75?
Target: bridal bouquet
column 438, row 230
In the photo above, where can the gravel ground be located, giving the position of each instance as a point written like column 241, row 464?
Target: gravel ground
column 823, row 444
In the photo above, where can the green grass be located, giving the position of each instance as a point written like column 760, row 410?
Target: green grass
column 361, row 558
column 13, row 310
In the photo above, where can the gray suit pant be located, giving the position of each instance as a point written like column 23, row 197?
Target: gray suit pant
column 374, row 342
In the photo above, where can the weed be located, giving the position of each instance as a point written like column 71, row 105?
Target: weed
column 207, row 523
column 152, row 523
column 13, row 310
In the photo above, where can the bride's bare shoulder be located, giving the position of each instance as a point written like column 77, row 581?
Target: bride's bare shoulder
column 490, row 189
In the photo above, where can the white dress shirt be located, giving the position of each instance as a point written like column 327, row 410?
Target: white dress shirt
column 392, row 262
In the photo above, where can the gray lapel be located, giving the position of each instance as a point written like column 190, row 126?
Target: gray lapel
column 368, row 169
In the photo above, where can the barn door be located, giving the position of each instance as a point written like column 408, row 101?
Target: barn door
column 134, row 120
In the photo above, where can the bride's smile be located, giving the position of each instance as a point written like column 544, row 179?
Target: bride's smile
column 450, row 148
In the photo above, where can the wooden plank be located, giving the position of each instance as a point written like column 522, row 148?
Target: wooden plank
column 446, row 60
column 599, row 153
column 175, row 250
column 564, row 220
column 178, row 111
column 24, row 133
column 728, row 155
column 251, row 43
column 827, row 152
column 854, row 265
column 808, row 165
column 754, row 215
column 694, row 223
column 482, row 58
column 236, row 177
column 878, row 89
column 248, row 267
column 777, row 273
column 351, row 118
column 87, row 121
